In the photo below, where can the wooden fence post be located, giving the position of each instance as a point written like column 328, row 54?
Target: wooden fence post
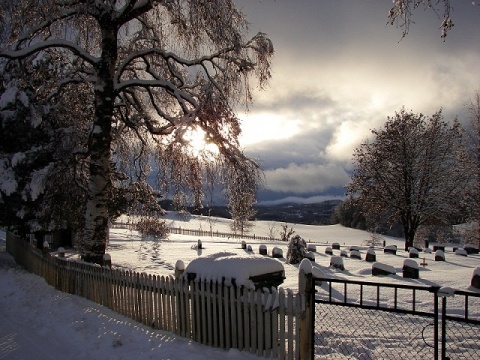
column 305, row 285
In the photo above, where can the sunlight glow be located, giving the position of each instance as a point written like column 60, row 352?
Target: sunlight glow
column 195, row 137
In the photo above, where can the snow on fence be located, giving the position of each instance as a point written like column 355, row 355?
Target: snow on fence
column 182, row 231
column 263, row 322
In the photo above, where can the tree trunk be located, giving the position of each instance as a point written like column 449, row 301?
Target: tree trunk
column 99, row 183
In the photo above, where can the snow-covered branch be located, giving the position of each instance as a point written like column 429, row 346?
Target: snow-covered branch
column 48, row 44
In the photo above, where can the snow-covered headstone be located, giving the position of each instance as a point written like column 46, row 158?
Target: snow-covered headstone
column 461, row 252
column 471, row 249
column 310, row 256
column 476, row 278
column 328, row 250
column 439, row 255
column 371, row 256
column 277, row 252
column 262, row 249
column 410, row 269
column 380, row 269
column 343, row 253
column 412, row 253
column 312, row 247
column 390, row 249
column 355, row 254
column 335, row 246
column 337, row 262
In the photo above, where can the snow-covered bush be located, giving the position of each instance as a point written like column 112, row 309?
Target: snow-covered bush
column 152, row 226
column 296, row 250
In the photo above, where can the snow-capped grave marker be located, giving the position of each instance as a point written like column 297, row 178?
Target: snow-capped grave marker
column 337, row 262
column 355, row 254
column 277, row 253
column 371, row 256
column 412, row 253
column 335, row 246
column 262, row 249
column 390, row 249
column 380, row 269
column 309, row 255
column 328, row 250
column 311, row 247
column 471, row 249
column 410, row 269
column 343, row 253
column 461, row 252
column 476, row 278
column 439, row 255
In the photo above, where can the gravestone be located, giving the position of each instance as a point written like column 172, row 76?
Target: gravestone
column 244, row 245
column 328, row 250
column 277, row 253
column 438, row 247
column 343, row 253
column 413, row 253
column 337, row 262
column 390, row 249
column 371, row 256
column 311, row 247
column 471, row 249
column 262, row 249
column 335, row 246
column 410, row 269
column 439, row 255
column 379, row 269
column 476, row 278
column 355, row 254
column 310, row 256
column 461, row 252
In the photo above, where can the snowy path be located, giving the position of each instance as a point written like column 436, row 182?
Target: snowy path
column 39, row 322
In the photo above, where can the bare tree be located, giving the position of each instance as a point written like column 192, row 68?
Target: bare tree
column 473, row 145
column 153, row 70
column 402, row 11
column 410, row 172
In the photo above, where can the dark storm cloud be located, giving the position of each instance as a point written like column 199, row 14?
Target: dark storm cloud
column 338, row 72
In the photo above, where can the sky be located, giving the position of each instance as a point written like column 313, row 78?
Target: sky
column 338, row 72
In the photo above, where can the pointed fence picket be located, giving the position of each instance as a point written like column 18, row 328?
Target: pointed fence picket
column 263, row 322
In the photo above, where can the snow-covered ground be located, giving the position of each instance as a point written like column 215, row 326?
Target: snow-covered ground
column 37, row 321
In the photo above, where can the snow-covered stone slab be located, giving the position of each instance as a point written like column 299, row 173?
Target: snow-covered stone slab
column 390, row 249
column 311, row 247
column 237, row 270
column 277, row 253
column 328, row 250
column 335, row 246
column 476, row 278
column 410, row 269
column 371, row 256
column 439, row 255
column 461, row 252
column 380, row 269
column 337, row 262
column 355, row 254
column 413, row 253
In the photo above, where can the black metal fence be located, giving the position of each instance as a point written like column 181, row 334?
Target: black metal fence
column 368, row 320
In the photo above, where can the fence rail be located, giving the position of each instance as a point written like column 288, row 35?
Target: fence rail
column 261, row 322
column 202, row 233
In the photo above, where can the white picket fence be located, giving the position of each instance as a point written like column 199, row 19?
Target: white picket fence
column 262, row 322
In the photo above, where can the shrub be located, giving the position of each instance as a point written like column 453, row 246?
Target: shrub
column 152, row 227
column 296, row 250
